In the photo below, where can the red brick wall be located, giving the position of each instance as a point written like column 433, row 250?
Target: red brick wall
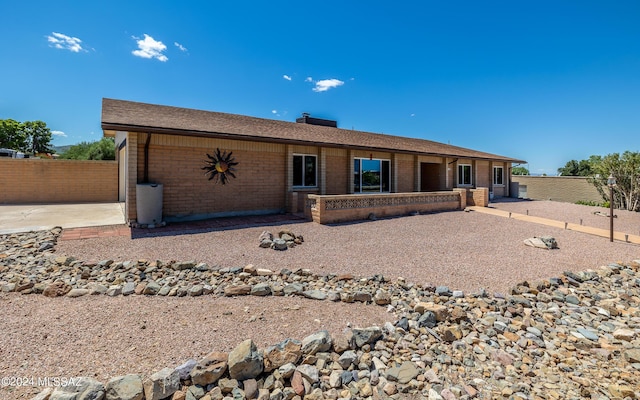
column 57, row 181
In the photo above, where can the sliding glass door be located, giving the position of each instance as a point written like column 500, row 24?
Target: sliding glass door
column 371, row 175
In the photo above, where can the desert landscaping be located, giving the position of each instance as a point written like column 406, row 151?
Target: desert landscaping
column 448, row 305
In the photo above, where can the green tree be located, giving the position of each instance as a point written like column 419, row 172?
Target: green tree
column 11, row 135
column 577, row 168
column 625, row 169
column 38, row 136
column 29, row 137
column 103, row 149
column 519, row 171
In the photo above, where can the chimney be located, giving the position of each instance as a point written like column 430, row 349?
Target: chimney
column 307, row 119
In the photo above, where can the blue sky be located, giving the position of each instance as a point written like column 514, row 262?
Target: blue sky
column 543, row 81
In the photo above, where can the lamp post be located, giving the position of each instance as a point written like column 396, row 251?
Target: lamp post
column 611, row 182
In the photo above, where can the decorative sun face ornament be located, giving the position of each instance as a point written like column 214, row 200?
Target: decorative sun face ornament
column 220, row 166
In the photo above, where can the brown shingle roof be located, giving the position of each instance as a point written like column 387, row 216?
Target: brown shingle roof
column 121, row 115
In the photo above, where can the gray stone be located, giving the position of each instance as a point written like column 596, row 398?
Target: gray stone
column 162, row 384
column 279, row 244
column 184, row 370
column 347, row 358
column 588, row 334
column 151, row 289
column 428, row 319
column 317, row 342
column 196, row 391
column 96, row 288
column 287, row 370
column 443, row 291
column 571, row 299
column 127, row 387
column 179, row 266
column 245, row 361
column 114, row 290
column 314, row 294
column 128, row 288
column 403, row 373
column 360, row 337
column 293, row 288
column 196, row 290
column 309, row 372
column 82, row 388
column 261, row 289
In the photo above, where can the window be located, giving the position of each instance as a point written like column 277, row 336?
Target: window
column 304, row 170
column 464, row 174
column 371, row 175
column 498, row 175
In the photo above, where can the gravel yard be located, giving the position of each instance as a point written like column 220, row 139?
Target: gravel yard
column 104, row 337
column 465, row 251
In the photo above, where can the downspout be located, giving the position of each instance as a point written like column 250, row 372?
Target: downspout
column 146, row 159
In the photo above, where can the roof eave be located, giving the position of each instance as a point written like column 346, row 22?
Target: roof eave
column 110, row 129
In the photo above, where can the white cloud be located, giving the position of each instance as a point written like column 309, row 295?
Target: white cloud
column 274, row 111
column 58, row 133
column 413, row 115
column 326, row 84
column 150, row 48
column 308, row 79
column 287, row 77
column 181, row 47
column 64, row 42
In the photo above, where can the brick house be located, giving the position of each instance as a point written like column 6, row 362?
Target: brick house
column 281, row 163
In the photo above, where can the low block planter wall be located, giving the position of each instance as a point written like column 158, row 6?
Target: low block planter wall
column 353, row 207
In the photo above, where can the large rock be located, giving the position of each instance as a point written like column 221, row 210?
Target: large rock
column 288, row 351
column 82, row 388
column 245, row 361
column 279, row 244
column 127, row 387
column 57, row 289
column 544, row 242
column 403, row 373
column 317, row 342
column 237, row 290
column 261, row 289
column 360, row 337
column 315, row 294
column 162, row 384
column 209, row 369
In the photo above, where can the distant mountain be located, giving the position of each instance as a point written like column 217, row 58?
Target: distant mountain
column 61, row 149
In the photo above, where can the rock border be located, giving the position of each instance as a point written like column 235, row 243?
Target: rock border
column 573, row 336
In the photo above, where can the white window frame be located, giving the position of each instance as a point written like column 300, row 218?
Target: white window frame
column 495, row 183
column 315, row 178
column 460, row 180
